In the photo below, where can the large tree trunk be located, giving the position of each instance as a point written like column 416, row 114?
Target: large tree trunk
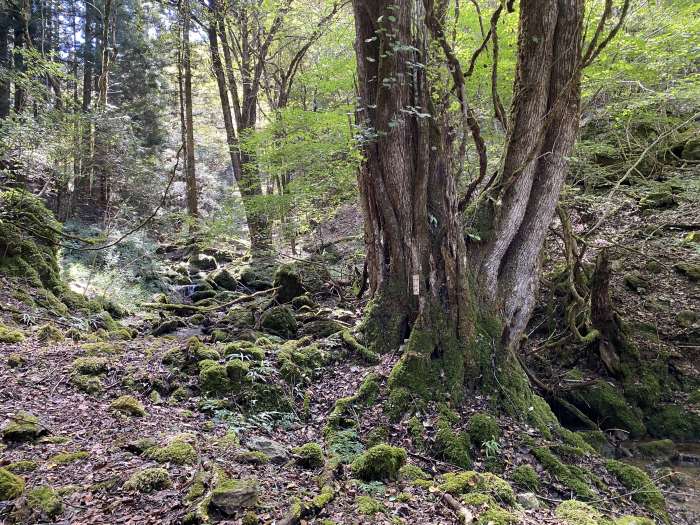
column 460, row 307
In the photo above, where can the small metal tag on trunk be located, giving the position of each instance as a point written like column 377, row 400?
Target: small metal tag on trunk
column 416, row 284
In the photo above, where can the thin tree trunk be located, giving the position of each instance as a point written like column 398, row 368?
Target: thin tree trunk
column 4, row 61
column 190, row 179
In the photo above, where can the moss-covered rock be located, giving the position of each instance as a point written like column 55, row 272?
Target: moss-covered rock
column 483, row 427
column 244, row 350
column 90, row 366
column 309, row 455
column 320, row 328
column 280, row 321
column 497, row 516
column 675, row 422
column 642, row 488
column 177, row 451
column 689, row 269
column 45, row 502
column 487, row 483
column 526, row 477
column 15, row 360
column 11, row 485
column 368, row 506
column 661, row 448
column 9, row 336
column 568, row 475
column 379, row 462
column 603, row 402
column 87, row 384
column 288, row 280
column 148, row 480
column 128, row 405
column 413, row 473
column 213, row 378
column 23, row 426
column 231, row 497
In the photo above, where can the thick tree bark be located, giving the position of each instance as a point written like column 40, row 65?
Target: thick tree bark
column 461, row 308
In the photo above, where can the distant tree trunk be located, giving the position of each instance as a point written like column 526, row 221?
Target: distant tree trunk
column 5, row 62
column 244, row 168
column 190, row 180
column 461, row 306
column 19, row 43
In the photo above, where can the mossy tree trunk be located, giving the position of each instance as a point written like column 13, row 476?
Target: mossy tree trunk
column 460, row 305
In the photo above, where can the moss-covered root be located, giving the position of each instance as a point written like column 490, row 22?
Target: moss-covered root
column 641, row 488
column 303, row 511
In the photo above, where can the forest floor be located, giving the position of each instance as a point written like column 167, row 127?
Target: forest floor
column 201, row 428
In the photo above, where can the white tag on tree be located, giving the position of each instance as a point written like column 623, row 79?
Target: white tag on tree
column 416, row 284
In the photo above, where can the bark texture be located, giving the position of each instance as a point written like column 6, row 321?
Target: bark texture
column 460, row 307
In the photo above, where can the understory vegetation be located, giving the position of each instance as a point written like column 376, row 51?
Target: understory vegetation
column 257, row 263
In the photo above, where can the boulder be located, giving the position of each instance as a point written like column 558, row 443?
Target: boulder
column 280, row 321
column 528, row 501
column 289, row 282
column 231, row 496
column 276, row 451
column 224, row 279
column 201, row 261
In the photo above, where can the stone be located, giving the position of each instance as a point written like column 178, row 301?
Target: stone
column 224, row 279
column 686, row 318
column 231, row 497
column 276, row 451
column 280, row 321
column 289, row 282
column 202, row 262
column 528, row 501
column 691, row 271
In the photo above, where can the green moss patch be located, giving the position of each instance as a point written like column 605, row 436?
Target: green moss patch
column 23, row 426
column 568, row 475
column 369, row 506
column 177, row 451
column 149, row 480
column 309, row 455
column 90, row 366
column 9, row 336
column 64, row 458
column 45, row 502
column 675, row 422
column 483, row 427
column 603, row 402
column 279, row 321
column 11, row 485
column 643, row 489
column 379, row 462
column 128, row 405
column 526, row 477
column 453, row 446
